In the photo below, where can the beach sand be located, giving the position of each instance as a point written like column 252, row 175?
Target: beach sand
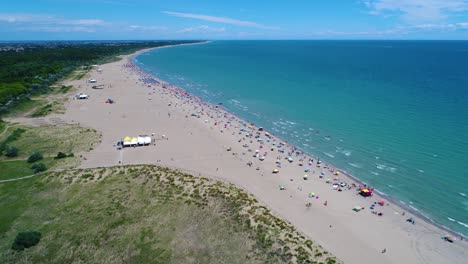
column 207, row 143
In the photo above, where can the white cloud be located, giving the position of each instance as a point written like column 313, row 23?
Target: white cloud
column 146, row 28
column 417, row 10
column 54, row 23
column 83, row 22
column 202, row 29
column 224, row 20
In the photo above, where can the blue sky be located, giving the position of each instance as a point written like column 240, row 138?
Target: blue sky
column 240, row 19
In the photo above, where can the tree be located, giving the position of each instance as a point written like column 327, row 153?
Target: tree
column 35, row 156
column 26, row 240
column 11, row 151
column 39, row 167
column 61, row 155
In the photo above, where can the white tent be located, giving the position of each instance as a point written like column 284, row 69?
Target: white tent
column 83, row 96
column 92, row 81
column 144, row 140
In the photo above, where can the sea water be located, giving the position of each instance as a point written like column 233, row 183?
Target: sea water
column 392, row 113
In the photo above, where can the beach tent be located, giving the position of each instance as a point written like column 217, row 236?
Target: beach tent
column 141, row 140
column 83, row 96
column 306, row 177
column 92, row 81
column 275, row 171
column 134, row 141
column 381, row 202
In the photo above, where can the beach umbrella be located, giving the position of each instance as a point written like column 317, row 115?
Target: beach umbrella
column 275, row 171
column 322, row 173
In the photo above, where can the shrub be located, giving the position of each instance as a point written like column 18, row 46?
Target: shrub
column 35, row 156
column 26, row 240
column 38, row 167
column 11, row 151
column 71, row 155
column 61, row 155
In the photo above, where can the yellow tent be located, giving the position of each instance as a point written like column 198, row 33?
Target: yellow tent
column 127, row 139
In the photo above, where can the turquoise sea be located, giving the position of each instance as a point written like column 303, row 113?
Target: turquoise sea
column 392, row 113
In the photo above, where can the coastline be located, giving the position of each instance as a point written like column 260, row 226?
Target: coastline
column 106, row 155
column 378, row 194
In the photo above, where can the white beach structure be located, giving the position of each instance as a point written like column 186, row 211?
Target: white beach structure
column 92, row 81
column 142, row 140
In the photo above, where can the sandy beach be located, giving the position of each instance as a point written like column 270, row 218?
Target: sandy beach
column 203, row 139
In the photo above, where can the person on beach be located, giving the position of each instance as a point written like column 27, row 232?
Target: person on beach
column 384, row 250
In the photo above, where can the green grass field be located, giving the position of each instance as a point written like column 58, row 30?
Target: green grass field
column 47, row 140
column 144, row 214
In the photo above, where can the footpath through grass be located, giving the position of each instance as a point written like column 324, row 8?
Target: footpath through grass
column 144, row 214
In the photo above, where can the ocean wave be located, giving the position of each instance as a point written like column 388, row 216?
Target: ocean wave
column 463, row 224
column 451, row 219
column 421, row 171
column 382, row 193
column 329, row 155
column 375, row 173
column 385, row 168
column 462, row 194
column 345, row 152
column 402, row 202
column 414, row 208
column 355, row 165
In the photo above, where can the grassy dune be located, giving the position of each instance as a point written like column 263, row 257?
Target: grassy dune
column 47, row 140
column 144, row 214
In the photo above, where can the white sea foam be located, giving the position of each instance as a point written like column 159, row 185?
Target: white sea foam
column 382, row 193
column 329, row 155
column 305, row 145
column 347, row 152
column 355, row 165
column 451, row 219
column 463, row 224
column 414, row 208
column 421, row 171
column 380, row 166
column 375, row 173
column 402, row 202
column 462, row 194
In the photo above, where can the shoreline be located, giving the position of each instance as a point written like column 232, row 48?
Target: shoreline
column 380, row 195
column 204, row 147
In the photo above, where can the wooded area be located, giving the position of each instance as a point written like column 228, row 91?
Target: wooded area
column 34, row 67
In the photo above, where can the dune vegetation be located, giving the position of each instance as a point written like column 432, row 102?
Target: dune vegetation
column 144, row 214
